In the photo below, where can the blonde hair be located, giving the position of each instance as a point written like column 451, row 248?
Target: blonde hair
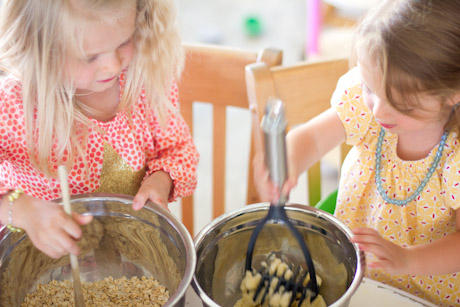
column 415, row 46
column 36, row 37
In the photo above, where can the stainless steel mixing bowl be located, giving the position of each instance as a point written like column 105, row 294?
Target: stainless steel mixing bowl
column 221, row 252
column 119, row 242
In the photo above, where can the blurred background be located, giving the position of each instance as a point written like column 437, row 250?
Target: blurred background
column 284, row 24
column 306, row 30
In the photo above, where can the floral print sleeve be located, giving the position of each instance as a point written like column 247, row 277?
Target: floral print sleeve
column 355, row 116
column 175, row 152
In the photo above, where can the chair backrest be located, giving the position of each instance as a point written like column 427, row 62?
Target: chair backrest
column 306, row 89
column 215, row 75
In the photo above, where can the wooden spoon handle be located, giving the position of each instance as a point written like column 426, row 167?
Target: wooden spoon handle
column 79, row 300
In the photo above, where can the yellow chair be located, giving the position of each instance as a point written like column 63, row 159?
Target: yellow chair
column 215, row 75
column 306, row 89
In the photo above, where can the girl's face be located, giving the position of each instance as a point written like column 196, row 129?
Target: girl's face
column 421, row 118
column 108, row 49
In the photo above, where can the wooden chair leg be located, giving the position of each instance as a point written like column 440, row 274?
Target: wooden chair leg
column 187, row 214
column 219, row 158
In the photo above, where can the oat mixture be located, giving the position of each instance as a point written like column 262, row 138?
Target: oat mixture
column 281, row 298
column 108, row 292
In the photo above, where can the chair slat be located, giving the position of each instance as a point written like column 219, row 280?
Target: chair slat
column 215, row 75
column 306, row 89
column 219, row 150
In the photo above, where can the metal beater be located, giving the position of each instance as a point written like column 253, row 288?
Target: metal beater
column 274, row 127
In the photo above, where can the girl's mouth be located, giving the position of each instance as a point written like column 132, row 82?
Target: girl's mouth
column 387, row 126
column 107, row 80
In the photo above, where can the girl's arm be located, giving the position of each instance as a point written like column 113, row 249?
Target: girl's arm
column 173, row 161
column 49, row 228
column 172, row 168
column 306, row 144
column 436, row 258
column 172, row 172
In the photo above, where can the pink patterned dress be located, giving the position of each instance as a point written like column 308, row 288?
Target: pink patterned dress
column 119, row 153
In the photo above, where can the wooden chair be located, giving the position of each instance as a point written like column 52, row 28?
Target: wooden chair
column 215, row 75
column 306, row 89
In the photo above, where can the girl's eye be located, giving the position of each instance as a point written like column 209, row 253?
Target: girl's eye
column 126, row 43
column 92, row 59
column 405, row 110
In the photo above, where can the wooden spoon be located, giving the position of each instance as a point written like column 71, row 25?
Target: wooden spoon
column 79, row 300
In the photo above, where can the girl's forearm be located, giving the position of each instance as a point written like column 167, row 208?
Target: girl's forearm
column 436, row 258
column 309, row 142
column 301, row 150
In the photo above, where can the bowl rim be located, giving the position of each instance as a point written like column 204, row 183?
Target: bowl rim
column 360, row 259
column 179, row 227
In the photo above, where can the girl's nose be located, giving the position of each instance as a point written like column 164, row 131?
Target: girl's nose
column 113, row 62
column 380, row 108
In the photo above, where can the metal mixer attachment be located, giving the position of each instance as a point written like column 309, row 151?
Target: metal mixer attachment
column 274, row 127
column 276, row 284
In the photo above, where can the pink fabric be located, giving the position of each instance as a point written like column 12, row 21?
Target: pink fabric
column 313, row 27
column 140, row 143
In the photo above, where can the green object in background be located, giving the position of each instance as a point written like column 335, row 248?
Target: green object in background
column 253, row 26
column 328, row 204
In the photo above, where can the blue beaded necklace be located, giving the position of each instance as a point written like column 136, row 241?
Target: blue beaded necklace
column 434, row 165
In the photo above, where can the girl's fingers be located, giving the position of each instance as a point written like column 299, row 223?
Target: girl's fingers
column 142, row 196
column 365, row 239
column 364, row 231
column 140, row 199
column 49, row 248
column 367, row 236
column 57, row 247
column 71, row 228
column 65, row 244
column 159, row 201
column 377, row 250
column 81, row 219
column 379, row 264
column 52, row 252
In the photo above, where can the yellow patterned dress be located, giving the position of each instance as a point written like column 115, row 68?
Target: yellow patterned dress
column 427, row 218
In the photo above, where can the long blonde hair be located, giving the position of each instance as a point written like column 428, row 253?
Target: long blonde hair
column 415, row 47
column 36, row 36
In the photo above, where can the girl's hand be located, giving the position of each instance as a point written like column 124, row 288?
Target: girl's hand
column 157, row 188
column 393, row 258
column 267, row 189
column 49, row 228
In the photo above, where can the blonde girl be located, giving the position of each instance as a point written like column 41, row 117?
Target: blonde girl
column 400, row 185
column 89, row 84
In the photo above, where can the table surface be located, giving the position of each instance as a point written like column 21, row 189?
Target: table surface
column 380, row 294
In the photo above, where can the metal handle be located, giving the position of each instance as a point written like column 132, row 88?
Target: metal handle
column 274, row 128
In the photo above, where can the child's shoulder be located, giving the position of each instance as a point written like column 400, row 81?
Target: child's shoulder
column 10, row 91
column 10, row 83
column 172, row 94
column 348, row 88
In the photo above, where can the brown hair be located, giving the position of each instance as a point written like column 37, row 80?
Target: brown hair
column 415, row 44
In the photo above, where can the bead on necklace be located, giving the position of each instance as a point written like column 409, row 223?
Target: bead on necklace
column 378, row 179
